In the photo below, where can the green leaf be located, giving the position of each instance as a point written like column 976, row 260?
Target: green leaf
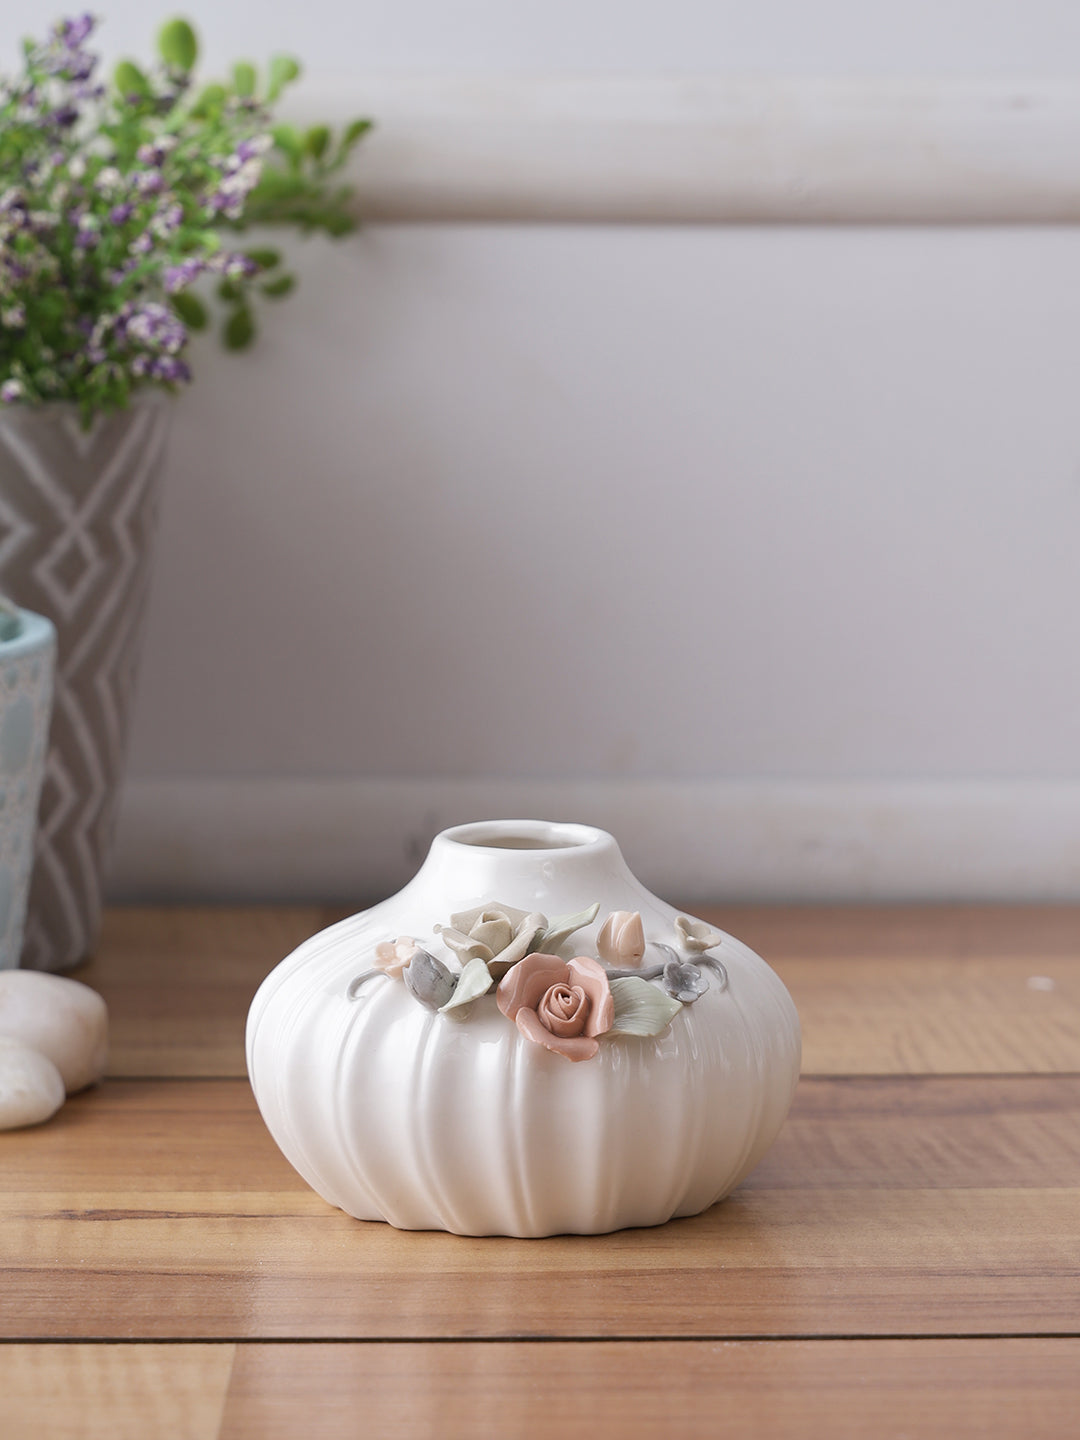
column 243, row 73
column 239, row 329
column 640, row 1008
column 475, row 980
column 190, row 309
column 288, row 140
column 278, row 287
column 265, row 259
column 336, row 223
column 316, row 140
column 353, row 132
column 229, row 290
column 563, row 926
column 283, row 70
column 177, row 44
column 211, row 97
column 129, row 79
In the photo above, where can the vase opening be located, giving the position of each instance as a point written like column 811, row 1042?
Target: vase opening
column 523, row 835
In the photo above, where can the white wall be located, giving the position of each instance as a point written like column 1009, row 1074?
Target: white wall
column 767, row 533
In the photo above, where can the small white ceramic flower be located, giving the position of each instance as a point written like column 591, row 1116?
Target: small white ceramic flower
column 696, row 935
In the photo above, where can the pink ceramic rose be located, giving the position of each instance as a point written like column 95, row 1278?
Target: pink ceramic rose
column 561, row 1005
column 622, row 938
column 391, row 956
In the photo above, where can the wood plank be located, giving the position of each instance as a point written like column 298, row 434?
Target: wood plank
column 888, row 1206
column 178, row 981
column 881, row 990
column 113, row 1392
column 753, row 1390
column 926, row 989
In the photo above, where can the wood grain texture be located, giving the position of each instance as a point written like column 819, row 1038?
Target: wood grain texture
column 178, row 981
column 880, row 990
column 113, row 1392
column 887, row 1206
column 949, row 989
column 845, row 1390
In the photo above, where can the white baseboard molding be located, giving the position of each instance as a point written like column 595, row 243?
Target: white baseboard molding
column 669, row 149
column 355, row 840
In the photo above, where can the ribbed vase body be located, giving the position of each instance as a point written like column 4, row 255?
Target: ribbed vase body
column 394, row 1112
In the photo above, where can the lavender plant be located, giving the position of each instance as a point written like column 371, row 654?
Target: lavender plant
column 115, row 199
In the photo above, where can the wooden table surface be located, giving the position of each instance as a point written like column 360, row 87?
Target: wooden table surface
column 904, row 1262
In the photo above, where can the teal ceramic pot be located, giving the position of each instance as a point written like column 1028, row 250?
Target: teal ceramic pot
column 27, row 664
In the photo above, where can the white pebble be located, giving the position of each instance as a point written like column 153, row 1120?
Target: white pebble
column 63, row 1019
column 31, row 1087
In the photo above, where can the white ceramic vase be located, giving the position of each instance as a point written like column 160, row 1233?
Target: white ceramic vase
column 461, row 1118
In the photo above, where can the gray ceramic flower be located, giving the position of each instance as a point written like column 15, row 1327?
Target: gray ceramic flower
column 497, row 934
column 684, row 981
column 429, row 980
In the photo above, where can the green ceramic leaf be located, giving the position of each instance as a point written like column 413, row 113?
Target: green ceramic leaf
column 640, row 1008
column 475, row 980
column 564, row 926
column 177, row 44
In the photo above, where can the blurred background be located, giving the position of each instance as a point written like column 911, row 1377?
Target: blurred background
column 688, row 443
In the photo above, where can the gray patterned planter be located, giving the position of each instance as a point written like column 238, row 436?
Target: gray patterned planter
column 77, row 520
column 27, row 658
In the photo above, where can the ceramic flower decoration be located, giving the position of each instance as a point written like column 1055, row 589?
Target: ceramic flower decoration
column 567, row 1006
column 598, row 1083
column 563, row 1007
column 696, row 935
column 497, row 934
column 622, row 939
column 392, row 956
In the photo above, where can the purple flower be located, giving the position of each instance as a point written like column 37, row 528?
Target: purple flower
column 252, row 149
column 169, row 369
column 179, row 276
column 155, row 151
column 167, row 220
column 148, row 182
column 238, row 267
column 156, row 327
column 75, row 31
column 121, row 214
column 142, row 244
column 63, row 118
column 10, row 391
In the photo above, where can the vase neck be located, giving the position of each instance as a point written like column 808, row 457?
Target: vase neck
column 530, row 864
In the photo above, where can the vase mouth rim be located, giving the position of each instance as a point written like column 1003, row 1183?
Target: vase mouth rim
column 537, row 836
